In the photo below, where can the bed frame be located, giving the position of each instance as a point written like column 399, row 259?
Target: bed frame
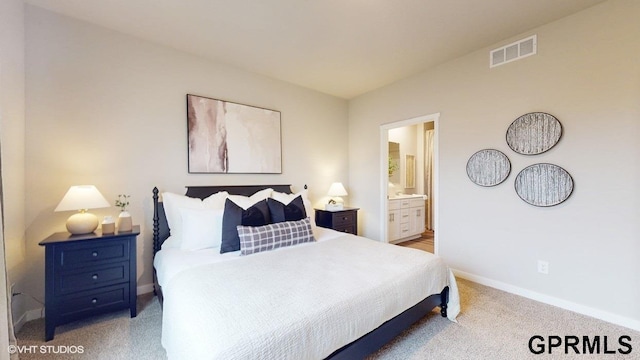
column 358, row 349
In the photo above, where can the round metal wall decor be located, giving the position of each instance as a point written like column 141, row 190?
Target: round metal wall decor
column 488, row 167
column 534, row 133
column 544, row 184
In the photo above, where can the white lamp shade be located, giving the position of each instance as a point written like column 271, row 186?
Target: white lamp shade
column 337, row 189
column 82, row 197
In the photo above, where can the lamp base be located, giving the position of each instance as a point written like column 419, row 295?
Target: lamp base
column 82, row 223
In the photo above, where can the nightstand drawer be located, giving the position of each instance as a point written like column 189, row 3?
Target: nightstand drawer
column 347, row 228
column 81, row 303
column 344, row 218
column 80, row 255
column 90, row 278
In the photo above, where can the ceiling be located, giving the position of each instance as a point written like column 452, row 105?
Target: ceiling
column 340, row 47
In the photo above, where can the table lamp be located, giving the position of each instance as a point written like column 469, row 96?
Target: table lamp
column 81, row 198
column 336, row 190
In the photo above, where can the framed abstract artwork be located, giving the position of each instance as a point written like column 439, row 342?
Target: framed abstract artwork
column 226, row 137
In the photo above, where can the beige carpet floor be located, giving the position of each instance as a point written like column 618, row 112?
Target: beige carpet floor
column 493, row 325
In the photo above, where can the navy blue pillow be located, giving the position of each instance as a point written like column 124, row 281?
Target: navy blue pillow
column 234, row 215
column 280, row 212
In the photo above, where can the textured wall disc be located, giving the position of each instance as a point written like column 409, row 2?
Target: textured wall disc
column 534, row 133
column 544, row 184
column 488, row 167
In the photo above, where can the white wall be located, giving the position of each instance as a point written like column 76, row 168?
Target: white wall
column 108, row 109
column 587, row 74
column 12, row 131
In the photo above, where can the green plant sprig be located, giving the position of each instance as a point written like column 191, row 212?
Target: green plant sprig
column 123, row 201
column 393, row 166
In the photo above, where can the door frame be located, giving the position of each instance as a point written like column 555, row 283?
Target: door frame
column 384, row 176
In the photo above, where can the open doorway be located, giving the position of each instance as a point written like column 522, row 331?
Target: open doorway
column 409, row 182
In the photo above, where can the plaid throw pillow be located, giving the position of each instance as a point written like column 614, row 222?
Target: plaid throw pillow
column 255, row 239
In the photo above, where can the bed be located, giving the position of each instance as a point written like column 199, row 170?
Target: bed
column 338, row 296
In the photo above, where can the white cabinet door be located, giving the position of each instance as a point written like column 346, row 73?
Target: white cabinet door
column 416, row 220
column 393, row 225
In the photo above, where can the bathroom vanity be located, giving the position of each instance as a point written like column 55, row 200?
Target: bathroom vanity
column 406, row 217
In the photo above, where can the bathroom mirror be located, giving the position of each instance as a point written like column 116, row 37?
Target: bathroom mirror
column 394, row 163
column 410, row 171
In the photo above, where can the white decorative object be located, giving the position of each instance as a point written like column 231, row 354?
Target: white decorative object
column 108, row 225
column 82, row 198
column 334, row 207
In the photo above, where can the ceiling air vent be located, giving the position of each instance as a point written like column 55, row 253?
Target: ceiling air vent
column 514, row 51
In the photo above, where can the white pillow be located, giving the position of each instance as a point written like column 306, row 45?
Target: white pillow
column 216, row 201
column 246, row 202
column 170, row 242
column 173, row 203
column 201, row 228
column 287, row 198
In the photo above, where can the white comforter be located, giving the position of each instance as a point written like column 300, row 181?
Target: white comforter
column 300, row 302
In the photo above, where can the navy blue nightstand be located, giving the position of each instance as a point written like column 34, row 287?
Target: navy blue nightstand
column 345, row 220
column 87, row 275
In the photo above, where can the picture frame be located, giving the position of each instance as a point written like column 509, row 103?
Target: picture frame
column 410, row 171
column 228, row 137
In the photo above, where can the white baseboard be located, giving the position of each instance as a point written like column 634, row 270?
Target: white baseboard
column 145, row 289
column 550, row 300
column 26, row 317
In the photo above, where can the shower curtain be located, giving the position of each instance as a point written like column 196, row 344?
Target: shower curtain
column 428, row 177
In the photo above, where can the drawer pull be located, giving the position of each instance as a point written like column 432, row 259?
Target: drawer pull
column 344, row 218
column 94, row 254
column 95, row 277
column 94, row 301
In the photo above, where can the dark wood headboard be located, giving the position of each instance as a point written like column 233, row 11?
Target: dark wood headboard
column 161, row 229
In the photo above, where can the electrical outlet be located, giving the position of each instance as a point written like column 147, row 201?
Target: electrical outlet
column 543, row 267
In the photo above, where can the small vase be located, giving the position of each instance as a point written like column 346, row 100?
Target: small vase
column 124, row 221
